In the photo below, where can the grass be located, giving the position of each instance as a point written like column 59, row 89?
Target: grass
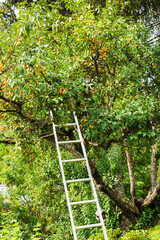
column 156, row 230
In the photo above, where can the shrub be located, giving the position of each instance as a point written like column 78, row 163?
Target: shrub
column 113, row 234
column 138, row 235
column 97, row 236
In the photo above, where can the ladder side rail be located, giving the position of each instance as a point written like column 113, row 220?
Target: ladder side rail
column 64, row 181
column 90, row 176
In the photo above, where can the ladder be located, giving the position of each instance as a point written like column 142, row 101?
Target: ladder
column 65, row 182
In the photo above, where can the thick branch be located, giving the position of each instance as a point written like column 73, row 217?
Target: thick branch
column 131, row 172
column 155, row 188
column 8, row 100
column 152, row 196
column 7, row 141
column 8, row 110
column 153, row 169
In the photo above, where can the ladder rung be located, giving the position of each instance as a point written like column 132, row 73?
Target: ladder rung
column 83, row 202
column 67, row 124
column 73, row 160
column 72, row 141
column 89, row 226
column 78, row 180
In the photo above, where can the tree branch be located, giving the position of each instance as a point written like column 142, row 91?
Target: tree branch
column 155, row 38
column 49, row 82
column 7, row 141
column 153, row 168
column 46, row 136
column 7, row 111
column 5, row 70
column 19, row 104
column 19, row 111
column 131, row 173
column 110, row 141
column 152, row 196
column 109, row 72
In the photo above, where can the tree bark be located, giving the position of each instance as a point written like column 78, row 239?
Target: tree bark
column 153, row 169
column 7, row 141
column 155, row 187
column 152, row 196
column 131, row 173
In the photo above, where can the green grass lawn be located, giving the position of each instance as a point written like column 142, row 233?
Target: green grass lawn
column 156, row 231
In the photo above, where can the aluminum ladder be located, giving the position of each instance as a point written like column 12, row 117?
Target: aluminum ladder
column 65, row 182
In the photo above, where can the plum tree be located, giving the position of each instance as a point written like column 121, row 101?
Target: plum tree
column 104, row 68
